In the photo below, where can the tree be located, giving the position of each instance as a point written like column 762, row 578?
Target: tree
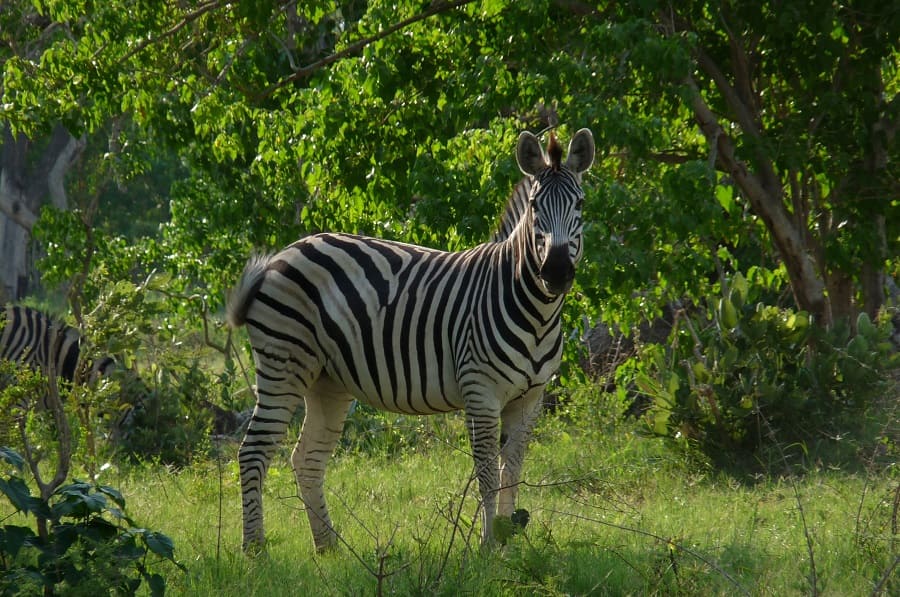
column 799, row 107
column 33, row 164
column 737, row 136
column 25, row 183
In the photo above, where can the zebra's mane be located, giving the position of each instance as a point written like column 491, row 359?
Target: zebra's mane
column 515, row 208
column 517, row 204
column 554, row 152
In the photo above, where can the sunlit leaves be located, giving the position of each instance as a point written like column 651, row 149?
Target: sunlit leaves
column 412, row 137
column 91, row 545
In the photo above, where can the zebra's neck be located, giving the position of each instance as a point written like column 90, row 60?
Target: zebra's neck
column 532, row 296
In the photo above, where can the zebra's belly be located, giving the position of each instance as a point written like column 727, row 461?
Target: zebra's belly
column 430, row 390
column 424, row 392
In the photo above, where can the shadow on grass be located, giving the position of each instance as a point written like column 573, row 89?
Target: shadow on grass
column 526, row 566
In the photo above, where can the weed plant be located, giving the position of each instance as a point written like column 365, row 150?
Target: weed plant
column 755, row 385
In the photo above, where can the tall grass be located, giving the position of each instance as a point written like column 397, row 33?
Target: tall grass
column 613, row 512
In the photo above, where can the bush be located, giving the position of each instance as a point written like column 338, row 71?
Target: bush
column 742, row 378
column 377, row 432
column 85, row 542
column 172, row 421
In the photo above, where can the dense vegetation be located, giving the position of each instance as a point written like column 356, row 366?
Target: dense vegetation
column 746, row 186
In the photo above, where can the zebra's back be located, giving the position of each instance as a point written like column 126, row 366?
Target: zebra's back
column 384, row 320
column 33, row 338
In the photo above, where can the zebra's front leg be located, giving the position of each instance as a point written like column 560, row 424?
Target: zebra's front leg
column 518, row 419
column 322, row 428
column 482, row 422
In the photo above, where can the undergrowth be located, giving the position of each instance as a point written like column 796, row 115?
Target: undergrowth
column 614, row 511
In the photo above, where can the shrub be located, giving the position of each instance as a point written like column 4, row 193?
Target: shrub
column 740, row 375
column 172, row 421
column 90, row 545
column 377, row 432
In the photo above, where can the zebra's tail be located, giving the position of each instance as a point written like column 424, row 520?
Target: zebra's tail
column 241, row 297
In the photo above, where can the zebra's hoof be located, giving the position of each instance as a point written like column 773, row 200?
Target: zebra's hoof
column 254, row 548
column 327, row 544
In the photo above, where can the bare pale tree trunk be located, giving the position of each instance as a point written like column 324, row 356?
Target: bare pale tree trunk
column 13, row 250
column 26, row 183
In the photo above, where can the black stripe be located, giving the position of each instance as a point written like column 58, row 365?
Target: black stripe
column 354, row 301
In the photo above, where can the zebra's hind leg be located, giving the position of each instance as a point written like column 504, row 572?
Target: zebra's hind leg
column 322, row 428
column 275, row 405
column 518, row 420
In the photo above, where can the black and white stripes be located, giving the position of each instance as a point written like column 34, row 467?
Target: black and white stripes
column 337, row 317
column 35, row 339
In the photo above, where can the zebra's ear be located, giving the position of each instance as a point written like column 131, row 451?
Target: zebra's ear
column 581, row 151
column 530, row 154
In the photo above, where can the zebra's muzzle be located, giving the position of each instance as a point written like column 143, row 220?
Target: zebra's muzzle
column 558, row 271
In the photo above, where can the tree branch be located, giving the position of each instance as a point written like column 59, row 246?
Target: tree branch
column 809, row 290
column 739, row 97
column 744, row 115
column 579, row 8
column 436, row 7
column 188, row 19
column 57, row 172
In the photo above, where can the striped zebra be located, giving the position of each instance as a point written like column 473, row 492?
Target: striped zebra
column 36, row 339
column 514, row 211
column 337, row 317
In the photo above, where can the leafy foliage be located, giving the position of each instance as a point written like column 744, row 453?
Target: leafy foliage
column 290, row 120
column 383, row 434
column 171, row 424
column 272, row 121
column 759, row 376
column 92, row 545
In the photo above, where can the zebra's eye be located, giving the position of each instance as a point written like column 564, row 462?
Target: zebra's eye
column 579, row 203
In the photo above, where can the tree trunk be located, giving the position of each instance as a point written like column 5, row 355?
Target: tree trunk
column 26, row 183
column 766, row 198
column 13, row 265
column 840, row 296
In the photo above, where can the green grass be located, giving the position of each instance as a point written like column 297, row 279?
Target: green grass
column 612, row 513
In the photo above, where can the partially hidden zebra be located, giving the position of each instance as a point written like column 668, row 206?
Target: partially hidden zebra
column 44, row 343
column 37, row 340
column 337, row 317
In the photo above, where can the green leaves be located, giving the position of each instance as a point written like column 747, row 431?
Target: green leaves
column 12, row 457
column 411, row 137
column 760, row 370
column 158, row 543
column 91, row 546
column 17, row 492
column 77, row 500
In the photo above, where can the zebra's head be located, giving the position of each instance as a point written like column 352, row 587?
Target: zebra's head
column 555, row 203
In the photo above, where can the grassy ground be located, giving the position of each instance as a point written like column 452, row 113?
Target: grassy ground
column 612, row 513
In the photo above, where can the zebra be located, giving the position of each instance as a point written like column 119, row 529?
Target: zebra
column 335, row 317
column 40, row 341
column 514, row 211
column 35, row 339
